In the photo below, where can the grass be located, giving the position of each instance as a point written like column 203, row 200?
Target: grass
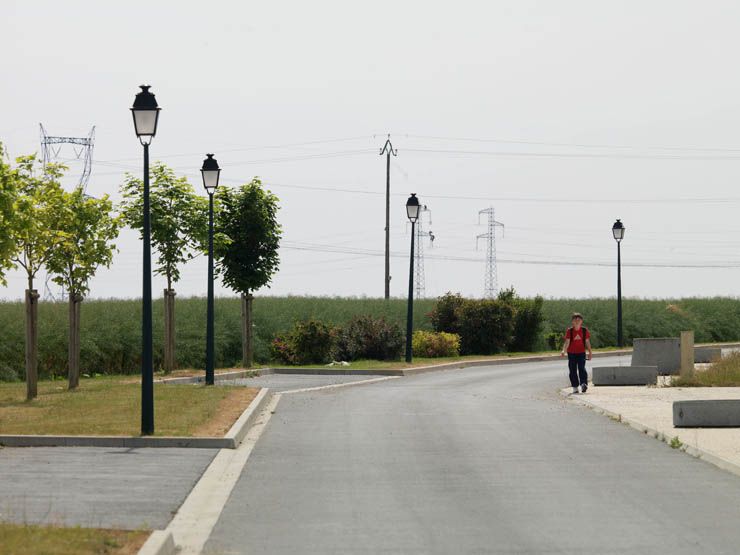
column 723, row 373
column 423, row 361
column 111, row 329
column 24, row 539
column 111, row 406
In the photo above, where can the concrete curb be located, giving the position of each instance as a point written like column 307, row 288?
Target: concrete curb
column 240, row 428
column 696, row 452
column 231, row 440
column 160, row 542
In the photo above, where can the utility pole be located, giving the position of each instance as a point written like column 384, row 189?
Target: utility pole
column 491, row 276
column 388, row 150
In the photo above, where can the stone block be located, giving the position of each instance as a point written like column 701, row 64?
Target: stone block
column 705, row 355
column 624, row 375
column 709, row 413
column 663, row 352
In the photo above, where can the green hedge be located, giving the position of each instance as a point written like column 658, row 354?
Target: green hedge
column 111, row 328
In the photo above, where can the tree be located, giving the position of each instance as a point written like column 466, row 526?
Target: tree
column 178, row 224
column 36, row 233
column 89, row 229
column 246, row 242
column 7, row 211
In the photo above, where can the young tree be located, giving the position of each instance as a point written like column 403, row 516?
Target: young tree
column 7, row 211
column 179, row 218
column 36, row 233
column 246, row 246
column 89, row 229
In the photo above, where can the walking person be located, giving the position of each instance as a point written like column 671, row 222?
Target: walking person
column 578, row 348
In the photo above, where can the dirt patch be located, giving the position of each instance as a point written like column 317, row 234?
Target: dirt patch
column 228, row 410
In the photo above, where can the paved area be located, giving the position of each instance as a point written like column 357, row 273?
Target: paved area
column 481, row 460
column 652, row 407
column 284, row 382
column 97, row 487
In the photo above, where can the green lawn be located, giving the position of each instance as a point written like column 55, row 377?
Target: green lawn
column 21, row 539
column 112, row 406
column 723, row 373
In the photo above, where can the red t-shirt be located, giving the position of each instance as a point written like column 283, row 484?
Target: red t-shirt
column 577, row 341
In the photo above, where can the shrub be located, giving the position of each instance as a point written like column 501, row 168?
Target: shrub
column 281, row 349
column 486, row 326
column 365, row 337
column 527, row 320
column 435, row 344
column 554, row 340
column 446, row 313
column 313, row 342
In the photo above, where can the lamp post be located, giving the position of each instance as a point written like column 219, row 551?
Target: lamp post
column 211, row 173
column 146, row 115
column 618, row 232
column 412, row 211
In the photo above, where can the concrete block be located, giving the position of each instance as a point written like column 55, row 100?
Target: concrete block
column 624, row 375
column 708, row 413
column 707, row 354
column 160, row 542
column 663, row 352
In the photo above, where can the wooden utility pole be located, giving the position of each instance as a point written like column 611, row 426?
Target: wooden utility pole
column 388, row 150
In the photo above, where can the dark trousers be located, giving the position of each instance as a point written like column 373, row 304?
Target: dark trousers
column 577, row 367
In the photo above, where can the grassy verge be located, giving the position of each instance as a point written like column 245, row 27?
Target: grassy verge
column 723, row 373
column 421, row 361
column 112, row 406
column 23, row 539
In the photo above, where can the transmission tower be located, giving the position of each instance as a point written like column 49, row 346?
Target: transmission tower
column 491, row 279
column 51, row 147
column 419, row 251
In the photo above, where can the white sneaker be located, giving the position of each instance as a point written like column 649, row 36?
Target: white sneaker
column 576, row 390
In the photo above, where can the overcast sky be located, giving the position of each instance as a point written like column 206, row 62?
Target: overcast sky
column 562, row 115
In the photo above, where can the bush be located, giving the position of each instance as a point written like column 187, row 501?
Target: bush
column 281, row 349
column 527, row 320
column 310, row 342
column 313, row 342
column 554, row 340
column 435, row 344
column 365, row 337
column 446, row 314
column 486, row 326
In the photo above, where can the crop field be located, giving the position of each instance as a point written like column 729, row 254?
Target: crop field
column 111, row 328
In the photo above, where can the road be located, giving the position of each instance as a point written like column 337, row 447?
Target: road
column 481, row 460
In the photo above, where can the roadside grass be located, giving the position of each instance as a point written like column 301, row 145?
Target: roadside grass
column 112, row 406
column 723, row 373
column 25, row 539
column 423, row 361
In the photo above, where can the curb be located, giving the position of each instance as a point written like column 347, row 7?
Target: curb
column 240, row 428
column 696, row 452
column 231, row 440
column 160, row 542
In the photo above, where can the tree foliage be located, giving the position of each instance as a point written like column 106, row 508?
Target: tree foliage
column 40, row 208
column 7, row 210
column 89, row 229
column 178, row 217
column 247, row 236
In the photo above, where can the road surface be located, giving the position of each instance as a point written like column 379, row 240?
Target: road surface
column 481, row 460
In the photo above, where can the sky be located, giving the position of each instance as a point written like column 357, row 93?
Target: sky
column 562, row 116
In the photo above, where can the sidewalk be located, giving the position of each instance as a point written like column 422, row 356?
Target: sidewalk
column 650, row 410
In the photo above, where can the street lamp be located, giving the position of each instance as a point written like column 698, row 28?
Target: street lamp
column 618, row 232
column 146, row 116
column 412, row 211
column 211, row 173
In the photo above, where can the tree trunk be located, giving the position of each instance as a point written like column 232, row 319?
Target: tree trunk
column 32, row 375
column 169, row 330
column 75, row 301
column 247, row 345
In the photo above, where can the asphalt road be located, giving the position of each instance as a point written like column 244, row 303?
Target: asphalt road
column 484, row 460
column 97, row 487
column 284, row 382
